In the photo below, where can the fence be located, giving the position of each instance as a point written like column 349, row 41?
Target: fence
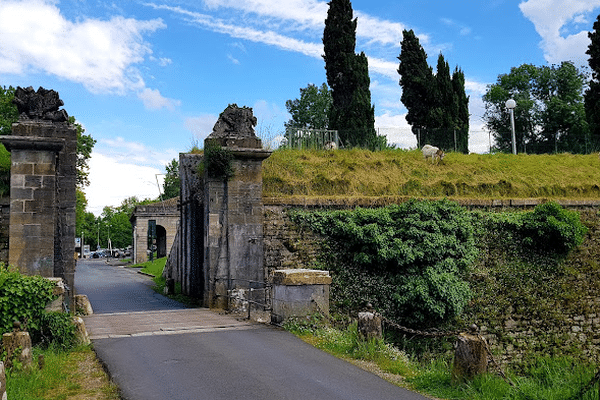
column 296, row 138
column 241, row 297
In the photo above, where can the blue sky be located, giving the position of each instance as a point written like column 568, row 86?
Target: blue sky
column 147, row 79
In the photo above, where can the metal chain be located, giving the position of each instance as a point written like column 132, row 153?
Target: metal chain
column 439, row 334
column 431, row 334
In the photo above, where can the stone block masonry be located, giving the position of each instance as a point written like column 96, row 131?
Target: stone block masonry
column 43, row 189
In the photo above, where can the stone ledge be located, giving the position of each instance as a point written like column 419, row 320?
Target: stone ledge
column 296, row 277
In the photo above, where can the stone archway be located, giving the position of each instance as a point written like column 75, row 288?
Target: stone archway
column 161, row 242
column 165, row 215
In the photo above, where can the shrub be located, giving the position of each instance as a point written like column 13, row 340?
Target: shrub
column 55, row 329
column 550, row 226
column 407, row 259
column 22, row 298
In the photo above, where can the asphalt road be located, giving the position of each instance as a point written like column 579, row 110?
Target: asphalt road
column 253, row 363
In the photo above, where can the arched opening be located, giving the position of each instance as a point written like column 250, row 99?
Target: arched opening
column 161, row 241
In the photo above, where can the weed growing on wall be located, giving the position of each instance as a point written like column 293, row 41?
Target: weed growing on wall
column 217, row 161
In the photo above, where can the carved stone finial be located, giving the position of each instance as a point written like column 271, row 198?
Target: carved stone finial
column 235, row 122
column 41, row 105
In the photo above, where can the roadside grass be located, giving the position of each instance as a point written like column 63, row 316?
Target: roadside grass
column 66, row 375
column 362, row 173
column 543, row 378
column 154, row 267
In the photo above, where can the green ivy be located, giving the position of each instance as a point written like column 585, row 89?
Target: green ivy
column 550, row 226
column 56, row 329
column 22, row 298
column 408, row 259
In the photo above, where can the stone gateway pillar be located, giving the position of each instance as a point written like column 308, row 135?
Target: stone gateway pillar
column 233, row 209
column 43, row 182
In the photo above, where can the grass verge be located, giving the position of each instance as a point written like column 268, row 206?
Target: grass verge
column 544, row 378
column 66, row 375
column 154, row 267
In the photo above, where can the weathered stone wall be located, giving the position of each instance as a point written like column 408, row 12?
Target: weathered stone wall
column 576, row 326
column 4, row 227
column 187, row 270
column 43, row 197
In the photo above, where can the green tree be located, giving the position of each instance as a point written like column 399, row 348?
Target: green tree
column 171, row 185
column 461, row 111
column 550, row 113
column 352, row 113
column 416, row 77
column 592, row 95
column 8, row 111
column 438, row 107
column 311, row 110
column 85, row 145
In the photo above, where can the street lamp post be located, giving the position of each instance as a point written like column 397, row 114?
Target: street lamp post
column 511, row 104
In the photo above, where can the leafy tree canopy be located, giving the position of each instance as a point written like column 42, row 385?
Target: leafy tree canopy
column 550, row 113
column 171, row 185
column 311, row 110
column 592, row 95
column 438, row 107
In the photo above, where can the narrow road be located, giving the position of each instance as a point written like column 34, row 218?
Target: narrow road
column 154, row 348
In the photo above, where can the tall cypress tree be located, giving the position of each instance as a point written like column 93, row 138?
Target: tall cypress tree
column 438, row 108
column 461, row 111
column 416, row 80
column 352, row 114
column 592, row 95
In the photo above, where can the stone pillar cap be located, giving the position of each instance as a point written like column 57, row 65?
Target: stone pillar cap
column 295, row 277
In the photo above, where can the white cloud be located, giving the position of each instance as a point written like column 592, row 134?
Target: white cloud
column 233, row 59
column 97, row 54
column 153, row 100
column 112, row 181
column 163, row 61
column 126, row 151
column 550, row 17
column 201, row 126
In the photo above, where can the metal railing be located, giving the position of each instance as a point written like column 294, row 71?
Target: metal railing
column 247, row 293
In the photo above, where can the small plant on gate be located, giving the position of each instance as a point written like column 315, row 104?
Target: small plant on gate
column 217, row 161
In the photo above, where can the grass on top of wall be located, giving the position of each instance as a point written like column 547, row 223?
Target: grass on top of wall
column 360, row 173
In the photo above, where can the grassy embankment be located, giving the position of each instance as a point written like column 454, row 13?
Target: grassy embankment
column 356, row 174
column 358, row 177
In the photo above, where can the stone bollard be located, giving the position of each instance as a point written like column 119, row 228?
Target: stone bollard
column 83, row 305
column 369, row 324
column 2, row 381
column 60, row 291
column 470, row 358
column 81, row 333
column 169, row 287
column 17, row 345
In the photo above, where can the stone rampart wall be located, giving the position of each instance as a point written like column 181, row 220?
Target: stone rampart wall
column 286, row 245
